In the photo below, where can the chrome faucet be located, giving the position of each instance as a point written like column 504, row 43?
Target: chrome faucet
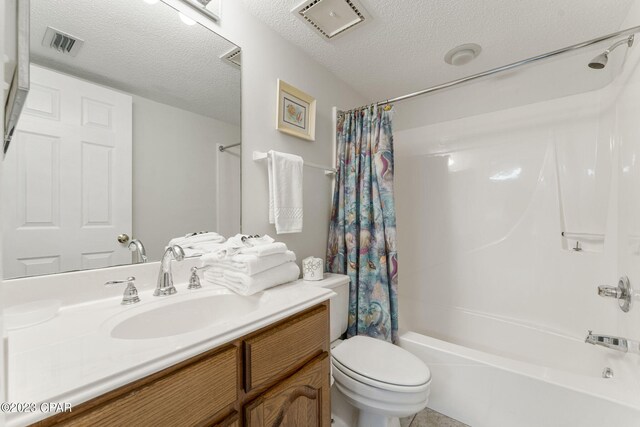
column 136, row 246
column 165, row 278
column 614, row 343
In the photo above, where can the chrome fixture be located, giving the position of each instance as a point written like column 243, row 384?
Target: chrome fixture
column 194, row 280
column 622, row 293
column 222, row 148
column 165, row 278
column 607, row 373
column 614, row 343
column 130, row 295
column 136, row 246
column 600, row 61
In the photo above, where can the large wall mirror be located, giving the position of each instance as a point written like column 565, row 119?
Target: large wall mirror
column 120, row 137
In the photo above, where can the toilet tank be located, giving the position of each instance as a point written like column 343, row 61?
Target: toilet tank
column 339, row 303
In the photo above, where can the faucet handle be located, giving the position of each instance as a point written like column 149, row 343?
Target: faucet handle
column 623, row 293
column 194, row 280
column 609, row 291
column 130, row 295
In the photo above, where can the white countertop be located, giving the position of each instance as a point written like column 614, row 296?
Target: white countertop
column 73, row 358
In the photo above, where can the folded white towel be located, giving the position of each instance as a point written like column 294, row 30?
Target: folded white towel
column 248, row 264
column 249, row 285
column 264, row 250
column 285, row 191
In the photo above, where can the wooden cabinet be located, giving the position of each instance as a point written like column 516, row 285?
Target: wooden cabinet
column 276, row 376
column 300, row 400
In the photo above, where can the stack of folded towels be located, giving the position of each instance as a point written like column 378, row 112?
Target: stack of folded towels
column 249, row 264
column 199, row 243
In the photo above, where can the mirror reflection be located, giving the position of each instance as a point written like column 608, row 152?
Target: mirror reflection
column 117, row 150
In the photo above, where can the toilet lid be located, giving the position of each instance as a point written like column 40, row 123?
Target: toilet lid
column 381, row 361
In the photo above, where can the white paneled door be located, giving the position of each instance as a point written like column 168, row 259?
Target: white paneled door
column 67, row 186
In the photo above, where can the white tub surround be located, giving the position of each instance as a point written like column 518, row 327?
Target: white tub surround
column 73, row 357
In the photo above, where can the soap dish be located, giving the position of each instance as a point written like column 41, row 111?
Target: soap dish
column 30, row 314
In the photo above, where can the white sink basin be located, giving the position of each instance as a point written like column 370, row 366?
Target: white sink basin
column 184, row 316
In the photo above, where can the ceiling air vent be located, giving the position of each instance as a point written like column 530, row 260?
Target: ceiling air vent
column 62, row 42
column 233, row 57
column 331, row 18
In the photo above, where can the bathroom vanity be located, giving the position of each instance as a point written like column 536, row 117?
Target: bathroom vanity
column 261, row 361
column 278, row 375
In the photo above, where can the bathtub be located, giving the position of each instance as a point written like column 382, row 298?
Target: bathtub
column 558, row 383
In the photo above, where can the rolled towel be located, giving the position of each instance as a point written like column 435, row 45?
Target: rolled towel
column 248, row 264
column 249, row 285
column 191, row 240
column 202, row 249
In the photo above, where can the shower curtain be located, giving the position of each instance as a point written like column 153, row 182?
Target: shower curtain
column 362, row 232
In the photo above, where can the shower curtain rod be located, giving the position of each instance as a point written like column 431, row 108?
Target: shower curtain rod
column 511, row 66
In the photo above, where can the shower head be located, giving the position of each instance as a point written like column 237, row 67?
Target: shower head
column 600, row 61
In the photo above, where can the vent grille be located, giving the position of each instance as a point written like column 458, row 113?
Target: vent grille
column 332, row 18
column 62, row 42
column 233, row 57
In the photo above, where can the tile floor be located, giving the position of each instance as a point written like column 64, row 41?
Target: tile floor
column 430, row 418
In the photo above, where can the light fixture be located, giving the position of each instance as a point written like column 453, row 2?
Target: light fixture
column 462, row 54
column 184, row 18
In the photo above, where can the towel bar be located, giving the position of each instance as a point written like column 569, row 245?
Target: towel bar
column 259, row 155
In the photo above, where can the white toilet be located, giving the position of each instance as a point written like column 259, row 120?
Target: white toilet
column 374, row 382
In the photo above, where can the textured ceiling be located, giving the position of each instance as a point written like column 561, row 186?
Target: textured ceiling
column 142, row 49
column 402, row 49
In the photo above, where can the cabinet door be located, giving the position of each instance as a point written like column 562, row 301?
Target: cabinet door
column 300, row 400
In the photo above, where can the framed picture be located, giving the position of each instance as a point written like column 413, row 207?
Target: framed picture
column 296, row 112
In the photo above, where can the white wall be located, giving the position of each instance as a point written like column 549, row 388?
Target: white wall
column 175, row 173
column 265, row 58
column 482, row 201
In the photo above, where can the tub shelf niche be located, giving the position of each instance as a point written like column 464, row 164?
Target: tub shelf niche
column 584, row 165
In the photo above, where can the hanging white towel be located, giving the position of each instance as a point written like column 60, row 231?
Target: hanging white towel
column 285, row 191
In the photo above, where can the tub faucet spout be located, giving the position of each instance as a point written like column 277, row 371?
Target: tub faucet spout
column 614, row 343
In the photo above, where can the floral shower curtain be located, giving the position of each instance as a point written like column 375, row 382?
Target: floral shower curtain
column 362, row 232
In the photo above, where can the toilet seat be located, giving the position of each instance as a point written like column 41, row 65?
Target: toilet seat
column 381, row 365
column 375, row 383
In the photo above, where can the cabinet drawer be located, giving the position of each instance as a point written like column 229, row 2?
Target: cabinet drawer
column 189, row 396
column 283, row 349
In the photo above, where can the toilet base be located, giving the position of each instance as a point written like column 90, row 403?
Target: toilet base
column 368, row 419
column 344, row 414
